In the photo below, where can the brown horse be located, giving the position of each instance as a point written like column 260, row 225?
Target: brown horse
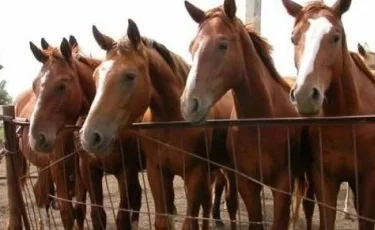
column 227, row 56
column 66, row 94
column 24, row 105
column 332, row 81
column 367, row 56
column 139, row 73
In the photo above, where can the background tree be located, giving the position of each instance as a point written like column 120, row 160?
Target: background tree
column 5, row 98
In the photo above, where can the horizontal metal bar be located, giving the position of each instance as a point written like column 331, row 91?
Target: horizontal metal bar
column 243, row 122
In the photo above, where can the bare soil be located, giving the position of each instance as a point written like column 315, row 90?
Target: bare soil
column 146, row 221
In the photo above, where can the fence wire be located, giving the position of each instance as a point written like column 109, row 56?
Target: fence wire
column 106, row 202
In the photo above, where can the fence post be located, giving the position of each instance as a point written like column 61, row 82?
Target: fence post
column 17, row 210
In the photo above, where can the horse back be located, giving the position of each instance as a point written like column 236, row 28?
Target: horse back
column 24, row 103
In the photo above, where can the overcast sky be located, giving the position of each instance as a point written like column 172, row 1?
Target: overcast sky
column 164, row 20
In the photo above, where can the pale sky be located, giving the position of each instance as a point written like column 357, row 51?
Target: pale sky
column 166, row 21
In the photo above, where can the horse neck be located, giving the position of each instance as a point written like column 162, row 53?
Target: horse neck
column 255, row 94
column 167, row 88
column 87, row 85
column 348, row 87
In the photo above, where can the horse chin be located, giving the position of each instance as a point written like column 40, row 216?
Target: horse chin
column 102, row 150
column 313, row 113
column 45, row 148
column 310, row 111
column 200, row 119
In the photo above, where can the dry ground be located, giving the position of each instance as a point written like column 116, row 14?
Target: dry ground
column 341, row 222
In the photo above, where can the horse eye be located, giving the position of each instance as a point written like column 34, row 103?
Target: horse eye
column 130, row 76
column 293, row 40
column 336, row 38
column 223, row 46
column 61, row 88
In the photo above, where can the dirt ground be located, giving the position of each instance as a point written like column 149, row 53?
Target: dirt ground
column 146, row 221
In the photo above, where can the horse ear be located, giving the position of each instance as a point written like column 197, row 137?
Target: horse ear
column 38, row 54
column 341, row 6
column 44, row 44
column 103, row 41
column 292, row 7
column 73, row 41
column 230, row 8
column 361, row 50
column 133, row 33
column 195, row 13
column 65, row 49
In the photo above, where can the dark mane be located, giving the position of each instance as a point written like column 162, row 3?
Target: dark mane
column 174, row 61
column 125, row 44
column 362, row 66
column 264, row 50
column 162, row 50
column 262, row 47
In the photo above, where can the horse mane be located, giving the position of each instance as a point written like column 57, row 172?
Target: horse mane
column 54, row 53
column 264, row 50
column 312, row 7
column 178, row 65
column 262, row 47
column 162, row 50
column 362, row 66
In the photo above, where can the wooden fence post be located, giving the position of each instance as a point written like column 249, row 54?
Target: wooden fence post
column 17, row 210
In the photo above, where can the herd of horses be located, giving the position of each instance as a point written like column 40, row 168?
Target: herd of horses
column 232, row 76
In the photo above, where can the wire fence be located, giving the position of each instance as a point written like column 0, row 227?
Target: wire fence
column 36, row 206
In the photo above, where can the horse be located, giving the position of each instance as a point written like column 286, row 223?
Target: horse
column 229, row 56
column 367, row 56
column 332, row 81
column 139, row 75
column 48, row 176
column 65, row 95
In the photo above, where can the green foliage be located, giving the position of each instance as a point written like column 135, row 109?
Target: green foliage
column 5, row 98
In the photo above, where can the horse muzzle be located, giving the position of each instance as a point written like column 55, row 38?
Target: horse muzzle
column 42, row 142
column 308, row 99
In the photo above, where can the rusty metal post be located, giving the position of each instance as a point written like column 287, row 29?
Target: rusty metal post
column 17, row 210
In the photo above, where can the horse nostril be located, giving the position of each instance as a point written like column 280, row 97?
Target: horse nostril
column 195, row 106
column 315, row 94
column 42, row 138
column 96, row 138
column 292, row 95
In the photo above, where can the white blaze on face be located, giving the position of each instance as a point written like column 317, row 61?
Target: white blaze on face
column 42, row 84
column 192, row 77
column 103, row 70
column 313, row 38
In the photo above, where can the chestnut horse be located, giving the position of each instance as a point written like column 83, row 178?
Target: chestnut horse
column 369, row 59
column 228, row 56
column 367, row 56
column 139, row 73
column 332, row 81
column 48, row 176
column 65, row 95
